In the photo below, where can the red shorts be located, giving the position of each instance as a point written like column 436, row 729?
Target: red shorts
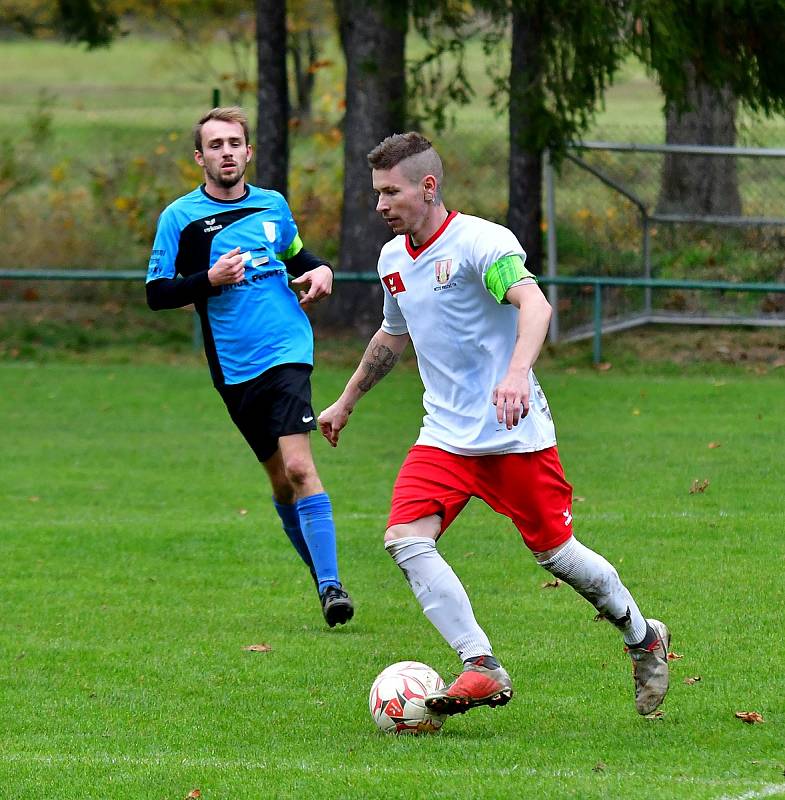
column 529, row 488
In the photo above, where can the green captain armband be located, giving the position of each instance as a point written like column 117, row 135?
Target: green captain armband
column 504, row 273
column 292, row 250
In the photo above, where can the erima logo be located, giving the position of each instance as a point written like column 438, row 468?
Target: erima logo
column 211, row 226
column 567, row 516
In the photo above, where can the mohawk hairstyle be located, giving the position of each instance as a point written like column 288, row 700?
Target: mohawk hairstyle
column 416, row 155
column 396, row 148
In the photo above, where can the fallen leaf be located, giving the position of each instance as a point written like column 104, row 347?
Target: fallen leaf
column 34, row 498
column 242, row 512
column 258, row 648
column 599, row 767
column 603, row 366
column 658, row 714
column 554, row 584
column 579, row 499
column 636, row 412
column 193, row 794
column 699, row 487
column 690, row 681
column 673, row 656
column 750, row 717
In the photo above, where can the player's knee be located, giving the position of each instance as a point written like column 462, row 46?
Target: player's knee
column 300, row 472
column 546, row 555
column 396, row 532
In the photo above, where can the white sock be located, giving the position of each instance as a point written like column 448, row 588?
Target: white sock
column 441, row 594
column 596, row 580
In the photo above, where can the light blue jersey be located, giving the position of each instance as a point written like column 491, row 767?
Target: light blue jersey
column 251, row 326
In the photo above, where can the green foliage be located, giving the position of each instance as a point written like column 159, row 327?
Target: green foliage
column 22, row 156
column 132, row 193
column 437, row 79
column 734, row 43
column 90, row 21
column 578, row 50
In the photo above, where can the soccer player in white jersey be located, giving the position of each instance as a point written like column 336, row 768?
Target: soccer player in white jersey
column 456, row 286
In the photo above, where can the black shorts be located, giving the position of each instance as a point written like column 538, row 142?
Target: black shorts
column 276, row 403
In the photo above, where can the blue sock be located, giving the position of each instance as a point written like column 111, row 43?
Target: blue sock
column 291, row 525
column 316, row 524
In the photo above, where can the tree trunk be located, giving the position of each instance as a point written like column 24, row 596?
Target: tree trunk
column 373, row 34
column 695, row 184
column 304, row 55
column 272, row 127
column 524, row 215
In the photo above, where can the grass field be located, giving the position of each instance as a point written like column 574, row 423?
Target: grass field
column 139, row 555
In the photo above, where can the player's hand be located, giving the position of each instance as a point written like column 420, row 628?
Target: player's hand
column 229, row 268
column 317, row 283
column 511, row 398
column 332, row 421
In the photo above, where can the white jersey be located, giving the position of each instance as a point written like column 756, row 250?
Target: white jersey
column 464, row 338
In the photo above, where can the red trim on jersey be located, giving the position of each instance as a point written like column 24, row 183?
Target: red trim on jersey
column 529, row 488
column 415, row 251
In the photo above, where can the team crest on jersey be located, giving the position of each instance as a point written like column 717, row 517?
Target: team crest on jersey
column 442, row 269
column 394, row 283
column 269, row 230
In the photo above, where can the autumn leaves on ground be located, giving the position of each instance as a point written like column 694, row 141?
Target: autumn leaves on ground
column 161, row 640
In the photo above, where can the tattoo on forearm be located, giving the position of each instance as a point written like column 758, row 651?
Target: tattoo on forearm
column 377, row 362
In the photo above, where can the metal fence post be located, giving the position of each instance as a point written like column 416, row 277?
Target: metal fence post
column 597, row 349
column 646, row 262
column 550, row 223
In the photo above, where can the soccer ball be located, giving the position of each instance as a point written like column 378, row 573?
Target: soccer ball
column 397, row 699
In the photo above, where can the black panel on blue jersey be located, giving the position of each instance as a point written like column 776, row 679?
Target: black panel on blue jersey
column 196, row 239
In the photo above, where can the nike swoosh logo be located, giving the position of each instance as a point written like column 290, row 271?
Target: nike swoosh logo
column 307, row 419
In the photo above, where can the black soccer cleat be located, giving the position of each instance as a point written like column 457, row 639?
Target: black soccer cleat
column 337, row 606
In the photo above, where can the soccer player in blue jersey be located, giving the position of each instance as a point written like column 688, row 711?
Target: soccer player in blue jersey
column 229, row 248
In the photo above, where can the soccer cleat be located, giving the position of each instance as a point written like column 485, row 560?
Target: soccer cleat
column 477, row 685
column 337, row 606
column 650, row 669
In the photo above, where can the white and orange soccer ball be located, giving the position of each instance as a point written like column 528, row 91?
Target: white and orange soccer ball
column 397, row 699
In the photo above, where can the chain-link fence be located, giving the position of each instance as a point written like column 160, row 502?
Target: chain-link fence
column 667, row 212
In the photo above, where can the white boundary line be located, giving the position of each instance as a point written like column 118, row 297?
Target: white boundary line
column 769, row 790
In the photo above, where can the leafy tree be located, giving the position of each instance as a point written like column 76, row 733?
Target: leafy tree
column 707, row 57
column 92, row 22
column 563, row 55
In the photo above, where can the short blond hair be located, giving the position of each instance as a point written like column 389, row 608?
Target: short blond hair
column 225, row 114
